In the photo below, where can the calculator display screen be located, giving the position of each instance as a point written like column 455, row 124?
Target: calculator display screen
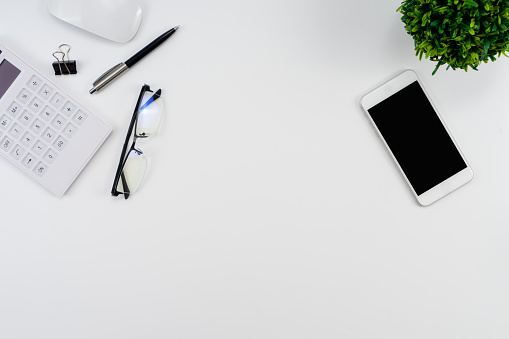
column 8, row 73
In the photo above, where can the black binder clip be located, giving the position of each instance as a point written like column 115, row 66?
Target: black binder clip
column 61, row 66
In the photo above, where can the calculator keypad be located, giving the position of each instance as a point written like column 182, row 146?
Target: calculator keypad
column 38, row 125
column 44, row 132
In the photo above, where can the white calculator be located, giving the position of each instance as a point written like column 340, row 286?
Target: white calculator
column 43, row 131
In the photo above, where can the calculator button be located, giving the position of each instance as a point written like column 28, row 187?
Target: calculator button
column 80, row 117
column 24, row 96
column 16, row 131
column 35, row 105
column 28, row 139
column 37, row 126
column 49, row 135
column 70, row 130
column 50, row 156
column 47, row 113
column 34, row 83
column 38, row 148
column 29, row 161
column 17, row 152
column 60, row 143
column 46, row 92
column 26, row 118
column 57, row 100
column 40, row 169
column 14, row 108
column 68, row 109
column 5, row 122
column 58, row 122
column 6, row 143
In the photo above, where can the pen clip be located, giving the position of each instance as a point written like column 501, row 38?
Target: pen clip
column 105, row 74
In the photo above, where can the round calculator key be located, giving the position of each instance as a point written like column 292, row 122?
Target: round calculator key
column 40, row 169
column 50, row 156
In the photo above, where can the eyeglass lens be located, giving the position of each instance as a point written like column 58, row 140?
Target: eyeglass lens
column 133, row 172
column 149, row 116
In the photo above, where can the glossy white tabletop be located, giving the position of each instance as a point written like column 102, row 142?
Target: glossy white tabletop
column 270, row 209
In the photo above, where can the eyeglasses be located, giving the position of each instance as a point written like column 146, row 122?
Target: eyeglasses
column 133, row 163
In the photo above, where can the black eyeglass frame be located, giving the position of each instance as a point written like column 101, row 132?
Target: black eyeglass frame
column 132, row 128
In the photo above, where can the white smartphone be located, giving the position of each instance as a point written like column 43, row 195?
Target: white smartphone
column 409, row 125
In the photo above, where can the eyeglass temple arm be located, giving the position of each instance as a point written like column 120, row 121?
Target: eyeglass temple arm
column 127, row 192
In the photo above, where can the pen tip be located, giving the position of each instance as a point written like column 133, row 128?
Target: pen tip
column 177, row 27
column 92, row 91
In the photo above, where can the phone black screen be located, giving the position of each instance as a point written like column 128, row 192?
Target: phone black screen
column 417, row 138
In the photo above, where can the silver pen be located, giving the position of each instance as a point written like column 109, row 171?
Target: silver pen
column 119, row 69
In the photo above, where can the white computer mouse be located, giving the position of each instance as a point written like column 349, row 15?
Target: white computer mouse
column 116, row 20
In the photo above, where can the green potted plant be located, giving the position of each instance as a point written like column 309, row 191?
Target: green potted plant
column 459, row 33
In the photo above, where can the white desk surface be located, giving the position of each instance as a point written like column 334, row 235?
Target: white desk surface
column 270, row 208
